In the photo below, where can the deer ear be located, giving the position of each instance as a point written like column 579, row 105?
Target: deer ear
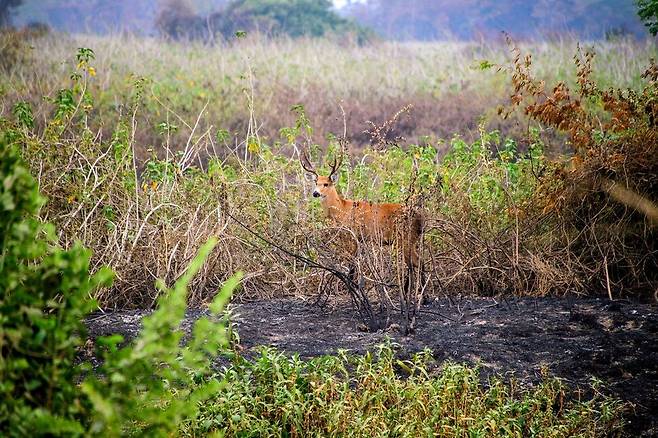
column 310, row 177
column 334, row 177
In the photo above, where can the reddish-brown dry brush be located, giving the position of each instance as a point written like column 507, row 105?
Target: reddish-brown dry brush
column 605, row 195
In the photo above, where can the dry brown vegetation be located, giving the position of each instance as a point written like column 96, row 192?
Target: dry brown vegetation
column 135, row 165
column 607, row 205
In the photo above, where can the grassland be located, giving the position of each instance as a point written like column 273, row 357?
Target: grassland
column 248, row 87
column 143, row 148
column 147, row 150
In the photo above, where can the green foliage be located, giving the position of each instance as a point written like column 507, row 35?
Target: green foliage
column 294, row 18
column 157, row 171
column 157, row 382
column 648, row 12
column 380, row 395
column 23, row 113
column 65, row 103
column 44, row 295
column 393, row 175
column 490, row 181
column 85, row 55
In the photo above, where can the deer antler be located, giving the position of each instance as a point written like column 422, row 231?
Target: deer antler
column 338, row 160
column 306, row 163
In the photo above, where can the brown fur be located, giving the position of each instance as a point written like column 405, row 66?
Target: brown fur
column 383, row 222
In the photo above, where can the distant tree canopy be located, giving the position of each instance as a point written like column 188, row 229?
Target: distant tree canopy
column 294, row 18
column 5, row 11
column 648, row 12
column 468, row 19
column 176, row 18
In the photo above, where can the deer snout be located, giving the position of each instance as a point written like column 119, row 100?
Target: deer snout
column 316, row 194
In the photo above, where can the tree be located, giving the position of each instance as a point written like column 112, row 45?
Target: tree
column 294, row 18
column 5, row 11
column 291, row 17
column 176, row 19
column 648, row 12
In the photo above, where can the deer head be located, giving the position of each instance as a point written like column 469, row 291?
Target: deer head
column 324, row 185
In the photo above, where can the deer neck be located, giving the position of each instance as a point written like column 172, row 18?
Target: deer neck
column 333, row 204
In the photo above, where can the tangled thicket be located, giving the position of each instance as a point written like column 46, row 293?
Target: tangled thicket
column 603, row 199
column 502, row 218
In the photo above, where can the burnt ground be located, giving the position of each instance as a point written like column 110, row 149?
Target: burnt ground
column 575, row 339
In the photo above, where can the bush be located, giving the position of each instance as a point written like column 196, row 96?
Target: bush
column 152, row 385
column 380, row 395
column 605, row 197
column 45, row 294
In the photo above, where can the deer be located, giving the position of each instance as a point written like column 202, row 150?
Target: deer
column 387, row 223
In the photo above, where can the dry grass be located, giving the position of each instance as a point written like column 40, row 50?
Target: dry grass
column 442, row 81
column 143, row 176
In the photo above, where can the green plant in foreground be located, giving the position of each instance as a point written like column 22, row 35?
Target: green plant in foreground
column 155, row 383
column 44, row 295
column 147, row 387
column 380, row 395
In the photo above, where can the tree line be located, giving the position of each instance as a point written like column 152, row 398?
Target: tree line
column 389, row 19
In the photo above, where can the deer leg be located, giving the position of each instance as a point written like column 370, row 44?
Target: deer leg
column 416, row 271
column 412, row 262
column 352, row 273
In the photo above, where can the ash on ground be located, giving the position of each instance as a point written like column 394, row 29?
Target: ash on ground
column 575, row 339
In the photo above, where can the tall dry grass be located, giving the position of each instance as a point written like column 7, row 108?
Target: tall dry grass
column 449, row 92
column 139, row 167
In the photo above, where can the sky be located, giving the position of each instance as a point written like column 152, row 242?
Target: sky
column 340, row 3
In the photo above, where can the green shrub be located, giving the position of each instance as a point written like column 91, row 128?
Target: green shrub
column 147, row 387
column 44, row 296
column 380, row 395
column 488, row 181
column 152, row 385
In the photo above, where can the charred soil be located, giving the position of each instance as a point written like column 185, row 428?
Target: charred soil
column 574, row 339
